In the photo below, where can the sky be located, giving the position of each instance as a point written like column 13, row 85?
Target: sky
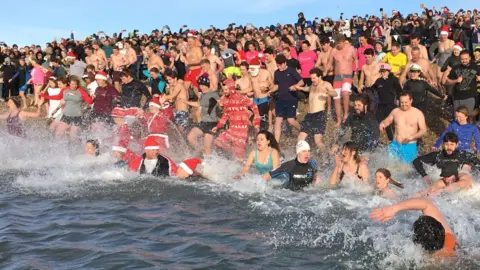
column 38, row 22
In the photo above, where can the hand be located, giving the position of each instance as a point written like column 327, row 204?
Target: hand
column 10, row 80
column 293, row 88
column 428, row 180
column 381, row 127
column 445, row 98
column 214, row 130
column 460, row 79
column 383, row 214
column 334, row 149
column 338, row 161
column 364, row 160
column 360, row 89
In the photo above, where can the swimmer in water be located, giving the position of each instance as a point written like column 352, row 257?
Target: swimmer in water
column 15, row 117
column 430, row 230
column 266, row 157
column 383, row 177
column 349, row 163
column 92, row 148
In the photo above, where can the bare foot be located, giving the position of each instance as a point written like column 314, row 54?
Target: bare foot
column 339, row 123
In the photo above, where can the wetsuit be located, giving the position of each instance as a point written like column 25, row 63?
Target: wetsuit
column 298, row 174
column 365, row 132
column 132, row 94
column 387, row 90
column 419, row 89
column 440, row 158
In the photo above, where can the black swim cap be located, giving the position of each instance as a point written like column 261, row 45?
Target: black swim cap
column 429, row 233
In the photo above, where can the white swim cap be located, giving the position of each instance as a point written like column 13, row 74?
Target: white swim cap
column 302, row 146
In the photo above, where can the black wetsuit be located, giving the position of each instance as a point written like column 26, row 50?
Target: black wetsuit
column 387, row 90
column 419, row 89
column 441, row 158
column 299, row 175
column 365, row 131
column 132, row 94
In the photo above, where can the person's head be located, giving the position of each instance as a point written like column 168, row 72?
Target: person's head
column 465, row 58
column 360, row 105
column 363, row 40
column 385, row 70
column 90, row 68
column 395, row 48
column 92, row 148
column 269, row 54
column 305, row 46
column 52, row 82
column 62, row 82
column 188, row 168
column 383, row 177
column 281, row 61
column 88, row 51
column 286, row 52
column 74, row 82
column 405, row 101
column 369, row 55
column 251, row 47
column 457, row 49
column 350, row 152
column 101, row 78
column 340, row 42
column 204, row 83
column 151, row 147
column 450, row 142
column 154, row 73
column 171, row 76
column 316, row 75
column 303, row 152
column 415, row 71
column 126, row 76
column 149, row 50
column 266, row 139
column 414, row 39
column 449, row 172
column 415, row 54
column 14, row 103
column 379, row 46
column 428, row 233
column 461, row 115
column 244, row 69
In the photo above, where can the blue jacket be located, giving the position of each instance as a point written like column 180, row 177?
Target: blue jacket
column 464, row 133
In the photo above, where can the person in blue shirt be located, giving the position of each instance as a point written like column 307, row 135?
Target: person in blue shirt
column 463, row 130
column 297, row 173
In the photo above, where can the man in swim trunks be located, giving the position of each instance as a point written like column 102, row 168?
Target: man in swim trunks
column 369, row 74
column 177, row 92
column 102, row 57
column 262, row 82
column 193, row 58
column 154, row 61
column 297, row 173
column 315, row 121
column 415, row 42
column 91, row 58
column 132, row 58
column 322, row 62
column 430, row 230
column 343, row 58
column 119, row 61
column 410, row 126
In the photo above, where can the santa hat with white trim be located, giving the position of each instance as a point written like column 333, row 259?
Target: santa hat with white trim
column 71, row 55
column 155, row 102
column 190, row 165
column 192, row 33
column 151, row 143
column 101, row 76
column 255, row 62
column 458, row 46
column 121, row 146
column 445, row 30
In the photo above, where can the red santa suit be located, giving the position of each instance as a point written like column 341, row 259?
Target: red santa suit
column 235, row 109
column 128, row 155
column 157, row 123
column 162, row 166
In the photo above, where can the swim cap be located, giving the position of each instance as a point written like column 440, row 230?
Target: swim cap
column 302, row 146
column 415, row 67
column 429, row 233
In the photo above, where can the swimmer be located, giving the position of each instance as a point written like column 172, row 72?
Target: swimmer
column 15, row 117
column 300, row 172
column 383, row 177
column 349, row 164
column 266, row 157
column 430, row 230
column 92, row 148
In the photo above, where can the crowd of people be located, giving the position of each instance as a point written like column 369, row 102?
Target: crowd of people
column 221, row 89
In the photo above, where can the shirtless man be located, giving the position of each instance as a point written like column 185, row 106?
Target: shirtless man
column 315, row 121
column 178, row 92
column 91, row 58
column 102, row 57
column 244, row 84
column 262, row 82
column 193, row 58
column 270, row 61
column 272, row 40
column 322, row 62
column 370, row 71
column 409, row 127
column 313, row 39
column 154, row 61
column 119, row 61
column 345, row 58
column 423, row 63
column 215, row 63
column 415, row 42
column 132, row 58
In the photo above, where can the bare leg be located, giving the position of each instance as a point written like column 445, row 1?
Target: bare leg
column 346, row 104
column 24, row 99
column 338, row 111
column 193, row 136
column 294, row 123
column 302, row 136
column 278, row 128
column 207, row 144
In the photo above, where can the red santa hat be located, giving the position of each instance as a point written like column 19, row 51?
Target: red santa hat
column 155, row 102
column 229, row 85
column 190, row 165
column 458, row 46
column 121, row 146
column 71, row 55
column 151, row 143
column 255, row 62
column 101, row 76
column 192, row 33
column 445, row 30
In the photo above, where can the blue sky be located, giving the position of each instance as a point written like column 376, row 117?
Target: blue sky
column 59, row 17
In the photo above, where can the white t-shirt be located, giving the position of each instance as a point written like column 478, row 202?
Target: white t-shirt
column 150, row 164
column 53, row 104
column 92, row 87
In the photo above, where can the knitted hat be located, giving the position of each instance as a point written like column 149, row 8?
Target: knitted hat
column 121, row 146
column 71, row 55
column 101, row 75
column 302, row 146
column 445, row 30
column 255, row 62
column 151, row 143
column 458, row 46
column 190, row 165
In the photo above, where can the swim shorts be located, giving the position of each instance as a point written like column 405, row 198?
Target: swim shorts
column 181, row 118
column 286, row 108
column 192, row 75
column 406, row 153
column 206, row 127
column 342, row 83
column 72, row 121
column 314, row 123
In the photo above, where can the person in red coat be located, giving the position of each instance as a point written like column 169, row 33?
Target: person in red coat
column 122, row 154
column 152, row 162
column 157, row 121
column 235, row 108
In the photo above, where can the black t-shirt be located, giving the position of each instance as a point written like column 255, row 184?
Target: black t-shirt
column 468, row 87
column 285, row 79
column 293, row 63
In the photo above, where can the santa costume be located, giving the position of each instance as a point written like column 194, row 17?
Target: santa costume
column 161, row 166
column 190, row 166
column 235, row 109
column 127, row 155
column 158, row 122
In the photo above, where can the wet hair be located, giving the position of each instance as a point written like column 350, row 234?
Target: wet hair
column 450, row 137
column 170, row 73
column 405, row 94
column 306, row 42
column 205, row 61
column 280, row 59
column 95, row 145
column 244, row 64
column 273, row 142
column 317, row 71
column 352, row 147
column 429, row 233
column 388, row 175
column 369, row 51
column 16, row 101
column 268, row 50
column 364, row 99
column 155, row 70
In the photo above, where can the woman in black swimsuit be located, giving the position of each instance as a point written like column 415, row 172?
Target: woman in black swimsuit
column 349, row 163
